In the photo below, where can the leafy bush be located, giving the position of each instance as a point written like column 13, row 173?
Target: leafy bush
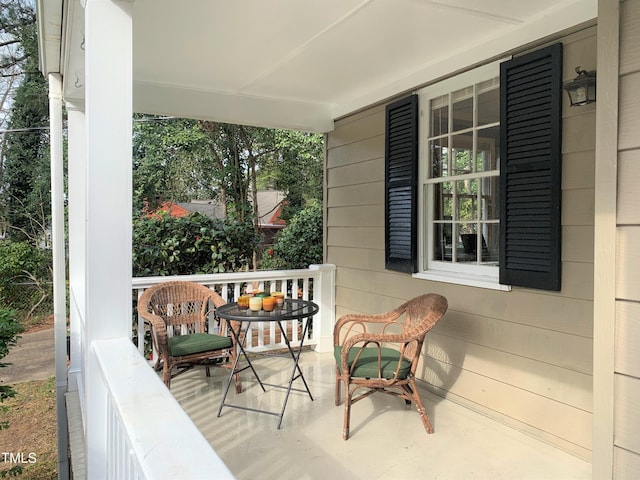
column 299, row 244
column 25, row 279
column 9, row 330
column 166, row 245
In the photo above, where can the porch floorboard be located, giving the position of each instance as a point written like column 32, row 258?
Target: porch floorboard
column 387, row 439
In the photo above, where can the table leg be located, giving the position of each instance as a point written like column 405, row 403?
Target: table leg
column 296, row 366
column 235, row 370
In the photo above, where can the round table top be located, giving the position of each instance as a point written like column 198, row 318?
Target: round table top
column 291, row 309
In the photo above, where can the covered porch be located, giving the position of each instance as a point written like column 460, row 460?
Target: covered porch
column 388, row 440
column 522, row 359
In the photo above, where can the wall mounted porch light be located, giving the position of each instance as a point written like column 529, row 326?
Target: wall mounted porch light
column 582, row 89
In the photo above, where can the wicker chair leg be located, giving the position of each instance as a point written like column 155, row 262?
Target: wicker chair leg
column 207, row 370
column 337, row 386
column 347, row 414
column 420, row 407
column 237, row 382
column 166, row 374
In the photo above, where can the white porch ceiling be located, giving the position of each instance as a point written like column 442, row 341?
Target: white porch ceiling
column 302, row 63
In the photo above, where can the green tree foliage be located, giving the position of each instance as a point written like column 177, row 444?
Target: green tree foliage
column 296, row 168
column 25, row 286
column 165, row 245
column 299, row 244
column 9, row 330
column 171, row 161
column 25, row 174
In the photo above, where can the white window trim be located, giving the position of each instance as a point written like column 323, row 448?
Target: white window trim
column 482, row 276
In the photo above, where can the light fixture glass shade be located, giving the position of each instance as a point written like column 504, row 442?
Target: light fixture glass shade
column 582, row 89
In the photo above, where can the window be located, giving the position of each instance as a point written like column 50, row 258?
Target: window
column 478, row 203
column 459, row 174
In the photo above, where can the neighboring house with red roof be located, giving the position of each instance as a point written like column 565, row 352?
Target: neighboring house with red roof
column 173, row 209
column 270, row 204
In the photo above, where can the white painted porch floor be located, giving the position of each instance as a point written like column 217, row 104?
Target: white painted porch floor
column 387, row 439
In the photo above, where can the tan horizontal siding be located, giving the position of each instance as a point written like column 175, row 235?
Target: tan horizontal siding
column 577, row 243
column 557, row 348
column 357, row 216
column 628, row 263
column 578, row 206
column 357, row 152
column 630, row 39
column 356, row 174
column 627, row 283
column 362, row 258
column 555, row 418
column 577, row 133
column 628, row 211
column 627, row 359
column 570, row 316
column 544, row 379
column 627, row 408
column 366, row 125
column 357, row 237
column 361, row 194
column 578, row 170
column 629, row 117
column 626, row 464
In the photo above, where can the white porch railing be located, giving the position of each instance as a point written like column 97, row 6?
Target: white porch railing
column 144, row 433
column 134, row 427
column 316, row 283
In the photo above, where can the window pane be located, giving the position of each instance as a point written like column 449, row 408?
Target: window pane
column 462, row 109
column 489, row 208
column 490, row 242
column 442, row 242
column 439, row 116
column 442, row 201
column 467, row 251
column 488, row 104
column 439, row 158
column 467, row 200
column 462, row 153
column 488, row 149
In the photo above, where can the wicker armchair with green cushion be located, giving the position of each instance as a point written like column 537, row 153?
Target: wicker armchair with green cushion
column 380, row 353
column 177, row 313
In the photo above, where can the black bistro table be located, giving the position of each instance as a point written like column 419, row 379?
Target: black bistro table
column 292, row 309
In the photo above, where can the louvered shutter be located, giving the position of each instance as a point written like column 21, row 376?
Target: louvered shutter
column 401, row 172
column 530, row 169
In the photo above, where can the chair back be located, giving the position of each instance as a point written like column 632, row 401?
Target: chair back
column 183, row 306
column 421, row 315
column 423, row 312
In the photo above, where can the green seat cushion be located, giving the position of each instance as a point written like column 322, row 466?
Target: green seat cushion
column 367, row 366
column 196, row 342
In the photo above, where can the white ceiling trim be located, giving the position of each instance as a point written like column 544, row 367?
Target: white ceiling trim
column 231, row 108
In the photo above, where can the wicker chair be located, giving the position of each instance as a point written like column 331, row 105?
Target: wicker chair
column 381, row 352
column 177, row 313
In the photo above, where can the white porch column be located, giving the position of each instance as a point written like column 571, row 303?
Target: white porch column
column 77, row 194
column 108, row 102
column 59, row 275
column 325, row 296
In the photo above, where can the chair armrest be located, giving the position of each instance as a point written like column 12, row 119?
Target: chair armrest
column 158, row 330
column 351, row 320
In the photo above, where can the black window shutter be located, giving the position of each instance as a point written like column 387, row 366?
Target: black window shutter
column 401, row 176
column 530, row 169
